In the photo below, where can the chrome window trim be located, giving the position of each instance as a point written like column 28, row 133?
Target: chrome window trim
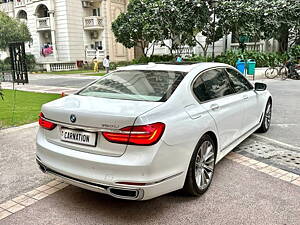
column 200, row 74
column 243, row 78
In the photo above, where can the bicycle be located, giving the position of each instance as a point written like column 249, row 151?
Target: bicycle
column 273, row 72
column 293, row 70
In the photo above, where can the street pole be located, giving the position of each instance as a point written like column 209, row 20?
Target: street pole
column 214, row 34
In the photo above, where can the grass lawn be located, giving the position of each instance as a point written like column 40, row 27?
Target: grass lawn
column 27, row 109
column 83, row 72
column 96, row 74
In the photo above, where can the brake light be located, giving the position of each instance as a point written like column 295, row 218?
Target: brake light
column 137, row 135
column 46, row 124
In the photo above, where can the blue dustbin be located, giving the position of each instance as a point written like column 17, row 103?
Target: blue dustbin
column 241, row 65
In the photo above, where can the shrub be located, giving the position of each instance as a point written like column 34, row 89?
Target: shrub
column 5, row 65
column 263, row 59
column 294, row 53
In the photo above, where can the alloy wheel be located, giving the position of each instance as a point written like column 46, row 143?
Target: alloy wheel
column 268, row 116
column 204, row 164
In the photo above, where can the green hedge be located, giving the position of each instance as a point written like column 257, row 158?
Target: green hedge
column 30, row 62
column 263, row 59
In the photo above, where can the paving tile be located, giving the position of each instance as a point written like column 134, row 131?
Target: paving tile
column 32, row 193
column 53, row 183
column 289, row 177
column 243, row 158
column 15, row 208
column 271, row 168
column 28, row 202
column 20, row 198
column 43, row 188
column 61, row 186
column 51, row 190
column 261, row 165
column 253, row 162
column 8, row 204
column 40, row 196
column 4, row 214
column 245, row 163
column 280, row 171
column 296, row 182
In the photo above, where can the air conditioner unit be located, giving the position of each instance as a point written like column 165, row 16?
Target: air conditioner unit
column 86, row 4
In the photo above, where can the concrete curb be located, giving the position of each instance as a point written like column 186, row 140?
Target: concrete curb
column 13, row 129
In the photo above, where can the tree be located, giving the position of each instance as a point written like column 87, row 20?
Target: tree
column 12, row 30
column 181, row 21
column 137, row 27
column 263, row 19
column 241, row 18
column 172, row 23
column 280, row 20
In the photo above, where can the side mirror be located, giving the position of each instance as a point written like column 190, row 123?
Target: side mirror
column 260, row 86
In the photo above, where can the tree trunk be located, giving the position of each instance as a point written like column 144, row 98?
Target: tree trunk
column 284, row 40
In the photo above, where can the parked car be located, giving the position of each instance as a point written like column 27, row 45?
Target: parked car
column 146, row 130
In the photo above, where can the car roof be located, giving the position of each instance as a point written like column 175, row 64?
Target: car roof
column 178, row 67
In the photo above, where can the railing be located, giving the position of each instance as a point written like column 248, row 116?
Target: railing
column 20, row 3
column 43, row 23
column 185, row 50
column 93, row 22
column 63, row 66
column 6, row 7
column 91, row 53
column 251, row 46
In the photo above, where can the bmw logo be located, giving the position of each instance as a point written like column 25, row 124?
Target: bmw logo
column 73, row 118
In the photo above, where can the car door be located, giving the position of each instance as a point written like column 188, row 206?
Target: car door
column 215, row 93
column 245, row 91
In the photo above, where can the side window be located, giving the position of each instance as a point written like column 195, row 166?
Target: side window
column 239, row 82
column 211, row 85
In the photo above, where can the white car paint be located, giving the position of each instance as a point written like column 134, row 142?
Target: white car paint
column 161, row 167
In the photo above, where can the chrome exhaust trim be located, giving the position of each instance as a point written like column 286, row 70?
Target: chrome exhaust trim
column 114, row 191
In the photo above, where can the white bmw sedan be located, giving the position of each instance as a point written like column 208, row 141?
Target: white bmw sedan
column 147, row 130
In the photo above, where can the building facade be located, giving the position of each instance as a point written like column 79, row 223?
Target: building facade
column 68, row 32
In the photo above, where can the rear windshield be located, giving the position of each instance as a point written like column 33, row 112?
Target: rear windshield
column 136, row 85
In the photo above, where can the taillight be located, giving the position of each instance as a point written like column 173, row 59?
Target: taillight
column 137, row 135
column 46, row 124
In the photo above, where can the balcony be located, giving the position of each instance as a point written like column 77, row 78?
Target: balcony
column 43, row 23
column 93, row 23
column 6, row 7
column 21, row 3
column 91, row 53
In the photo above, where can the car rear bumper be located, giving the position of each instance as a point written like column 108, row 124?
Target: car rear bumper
column 102, row 173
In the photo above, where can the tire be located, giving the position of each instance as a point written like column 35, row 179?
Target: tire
column 271, row 73
column 202, row 166
column 284, row 72
column 265, row 125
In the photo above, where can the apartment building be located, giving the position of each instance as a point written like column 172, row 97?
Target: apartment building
column 65, row 32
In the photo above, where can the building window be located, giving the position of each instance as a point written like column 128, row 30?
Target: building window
column 96, row 12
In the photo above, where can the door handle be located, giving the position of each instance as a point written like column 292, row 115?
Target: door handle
column 245, row 97
column 214, row 107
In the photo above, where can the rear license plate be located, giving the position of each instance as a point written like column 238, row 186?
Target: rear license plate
column 78, row 137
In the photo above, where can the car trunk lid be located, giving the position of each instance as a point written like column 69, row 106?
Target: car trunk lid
column 92, row 115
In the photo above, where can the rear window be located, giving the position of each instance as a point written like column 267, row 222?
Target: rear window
column 138, row 85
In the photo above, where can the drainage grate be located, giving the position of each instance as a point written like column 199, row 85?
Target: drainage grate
column 271, row 153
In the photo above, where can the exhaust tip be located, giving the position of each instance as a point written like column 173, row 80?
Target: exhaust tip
column 42, row 167
column 123, row 193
